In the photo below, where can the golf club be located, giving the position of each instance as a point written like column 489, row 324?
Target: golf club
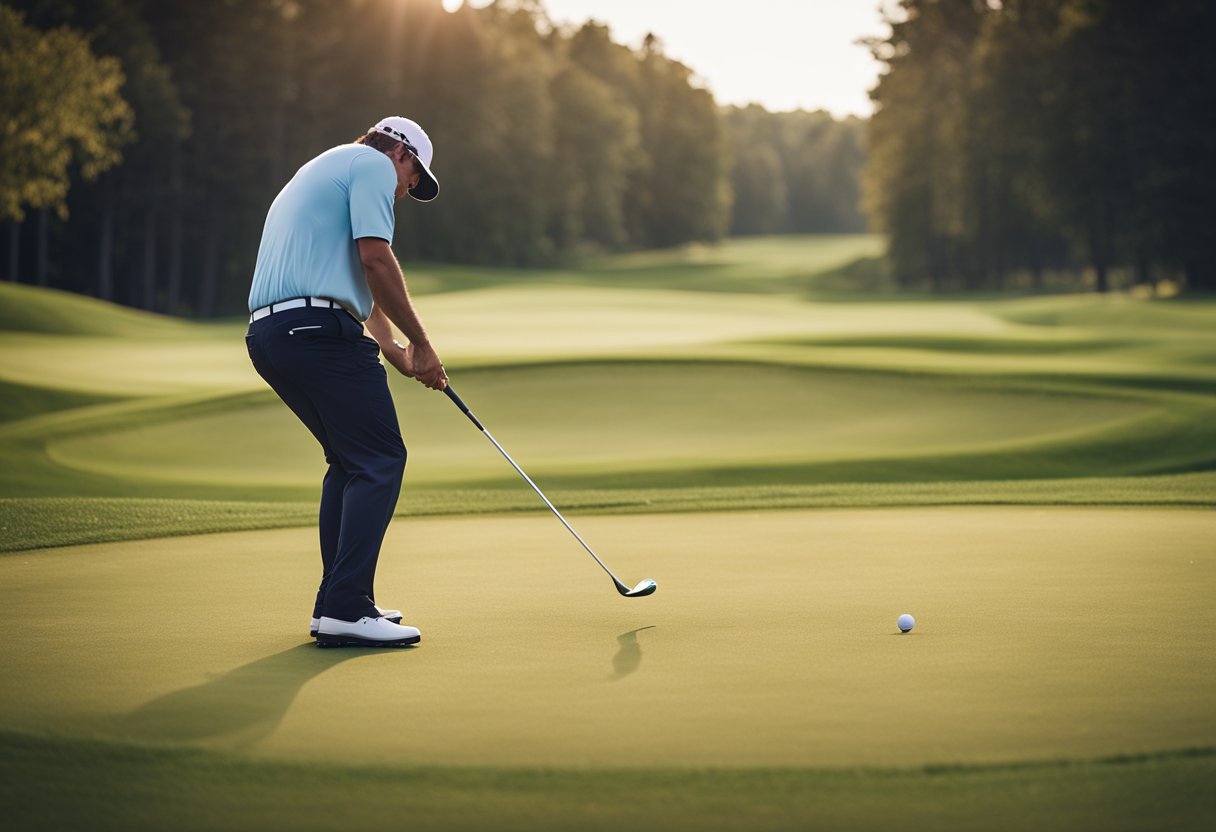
column 646, row 587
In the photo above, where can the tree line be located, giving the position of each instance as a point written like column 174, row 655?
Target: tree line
column 145, row 140
column 1015, row 141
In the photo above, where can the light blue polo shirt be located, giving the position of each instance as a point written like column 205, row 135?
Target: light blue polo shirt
column 308, row 243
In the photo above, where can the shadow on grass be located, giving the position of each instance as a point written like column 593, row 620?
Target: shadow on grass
column 243, row 706
column 629, row 653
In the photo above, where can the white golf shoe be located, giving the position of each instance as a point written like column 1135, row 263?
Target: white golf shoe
column 392, row 615
column 366, row 632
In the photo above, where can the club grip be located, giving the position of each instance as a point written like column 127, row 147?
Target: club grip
column 464, row 408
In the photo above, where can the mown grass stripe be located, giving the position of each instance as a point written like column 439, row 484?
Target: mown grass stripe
column 36, row 523
column 53, row 782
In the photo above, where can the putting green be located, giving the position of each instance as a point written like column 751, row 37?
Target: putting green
column 598, row 418
column 1042, row 633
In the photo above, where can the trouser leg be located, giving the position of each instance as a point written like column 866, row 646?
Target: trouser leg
column 331, row 377
column 296, row 398
column 367, row 507
column 330, row 524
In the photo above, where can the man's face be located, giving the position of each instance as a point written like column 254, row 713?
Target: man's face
column 408, row 170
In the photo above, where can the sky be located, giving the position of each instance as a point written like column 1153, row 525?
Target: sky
column 783, row 54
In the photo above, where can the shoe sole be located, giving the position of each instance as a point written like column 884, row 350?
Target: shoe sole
column 324, row 640
column 313, row 633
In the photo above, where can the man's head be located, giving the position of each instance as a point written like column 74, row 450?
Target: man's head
column 409, row 148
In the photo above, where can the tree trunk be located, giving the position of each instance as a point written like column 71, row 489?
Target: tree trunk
column 1198, row 279
column 176, row 231
column 1102, row 282
column 175, row 261
column 105, row 247
column 44, row 228
column 397, row 32
column 14, row 249
column 1097, row 254
column 211, row 262
column 1036, row 276
column 1144, row 273
column 149, row 292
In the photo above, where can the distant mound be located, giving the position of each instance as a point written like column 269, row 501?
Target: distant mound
column 37, row 309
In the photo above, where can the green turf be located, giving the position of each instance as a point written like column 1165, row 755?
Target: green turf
column 1073, row 632
column 795, row 452
column 902, row 412
column 29, row 523
column 746, row 265
column 151, row 787
column 32, row 309
column 764, row 679
column 638, row 415
column 18, row 401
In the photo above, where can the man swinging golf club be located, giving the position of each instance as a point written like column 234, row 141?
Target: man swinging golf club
column 325, row 268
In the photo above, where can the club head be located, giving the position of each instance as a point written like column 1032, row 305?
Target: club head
column 646, row 587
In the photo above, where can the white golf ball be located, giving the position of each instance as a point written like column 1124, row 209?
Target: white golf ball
column 906, row 622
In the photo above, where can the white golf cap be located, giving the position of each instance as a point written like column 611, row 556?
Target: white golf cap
column 416, row 141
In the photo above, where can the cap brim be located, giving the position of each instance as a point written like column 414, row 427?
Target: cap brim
column 427, row 187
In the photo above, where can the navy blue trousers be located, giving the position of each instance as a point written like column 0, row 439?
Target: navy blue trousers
column 329, row 373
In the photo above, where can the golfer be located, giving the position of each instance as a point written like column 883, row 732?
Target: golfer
column 324, row 270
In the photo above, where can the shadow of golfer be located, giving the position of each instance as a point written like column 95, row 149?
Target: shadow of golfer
column 243, row 706
column 629, row 653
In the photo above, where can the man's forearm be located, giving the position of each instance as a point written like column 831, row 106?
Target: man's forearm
column 391, row 298
column 380, row 328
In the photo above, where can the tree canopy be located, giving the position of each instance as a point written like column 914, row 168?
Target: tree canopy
column 62, row 109
column 1019, row 138
column 549, row 141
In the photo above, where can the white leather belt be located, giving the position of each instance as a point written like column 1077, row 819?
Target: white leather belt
column 294, row 303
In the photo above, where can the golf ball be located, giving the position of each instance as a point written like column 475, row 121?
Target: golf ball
column 906, row 622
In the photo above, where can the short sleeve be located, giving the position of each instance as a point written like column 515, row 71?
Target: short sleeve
column 373, row 186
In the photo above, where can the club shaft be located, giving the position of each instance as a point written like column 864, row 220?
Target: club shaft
column 464, row 408
column 552, row 508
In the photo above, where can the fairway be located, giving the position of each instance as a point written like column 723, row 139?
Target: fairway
column 638, row 414
column 1032, row 478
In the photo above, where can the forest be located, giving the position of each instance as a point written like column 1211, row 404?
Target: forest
column 1029, row 143
column 149, row 139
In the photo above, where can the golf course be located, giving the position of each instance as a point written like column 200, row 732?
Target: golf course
column 795, row 454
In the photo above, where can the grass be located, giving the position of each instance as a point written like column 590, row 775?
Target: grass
column 18, row 401
column 1071, row 690
column 637, row 414
column 794, row 460
column 41, row 522
column 771, row 642
column 34, row 310
column 144, row 785
column 763, row 265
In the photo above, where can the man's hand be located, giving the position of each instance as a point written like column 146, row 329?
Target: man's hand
column 426, row 366
column 406, row 359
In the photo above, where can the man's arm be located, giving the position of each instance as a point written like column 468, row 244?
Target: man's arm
column 392, row 303
column 382, row 330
